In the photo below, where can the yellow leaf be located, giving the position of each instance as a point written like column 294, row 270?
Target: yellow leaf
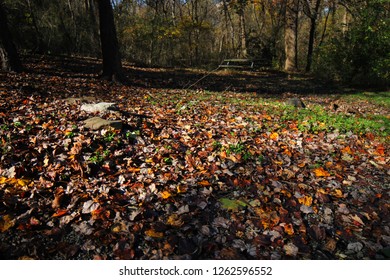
column 6, row 222
column 306, row 200
column 3, row 180
column 338, row 193
column 154, row 234
column 320, row 172
column 321, row 190
column 174, row 220
column 274, row 136
column 119, row 227
column 166, row 195
column 23, row 182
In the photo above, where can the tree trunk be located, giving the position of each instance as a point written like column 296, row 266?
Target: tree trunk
column 290, row 42
column 9, row 58
column 112, row 66
column 243, row 50
column 313, row 25
column 311, row 44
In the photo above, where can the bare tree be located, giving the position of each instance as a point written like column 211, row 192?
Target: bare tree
column 9, row 58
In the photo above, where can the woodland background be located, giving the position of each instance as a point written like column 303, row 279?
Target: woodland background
column 335, row 39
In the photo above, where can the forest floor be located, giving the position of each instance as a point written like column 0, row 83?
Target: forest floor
column 205, row 166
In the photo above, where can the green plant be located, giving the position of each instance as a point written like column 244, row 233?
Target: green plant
column 217, row 145
column 17, row 124
column 99, row 156
column 236, row 148
column 4, row 127
column 70, row 134
column 109, row 136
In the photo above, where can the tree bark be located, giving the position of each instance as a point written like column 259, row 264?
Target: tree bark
column 243, row 49
column 313, row 15
column 9, row 58
column 290, row 42
column 112, row 66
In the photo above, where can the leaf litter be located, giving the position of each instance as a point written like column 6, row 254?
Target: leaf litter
column 191, row 174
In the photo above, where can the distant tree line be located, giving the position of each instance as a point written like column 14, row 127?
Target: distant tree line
column 335, row 39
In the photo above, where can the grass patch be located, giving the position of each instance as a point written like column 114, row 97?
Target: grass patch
column 317, row 119
column 379, row 98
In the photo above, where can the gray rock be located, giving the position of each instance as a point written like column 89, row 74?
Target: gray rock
column 97, row 123
column 99, row 107
column 80, row 100
column 296, row 102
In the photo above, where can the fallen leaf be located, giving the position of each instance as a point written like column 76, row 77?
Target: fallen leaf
column 166, row 194
column 60, row 213
column 337, row 193
column 288, row 228
column 356, row 247
column 290, row 249
column 357, row 220
column 230, row 204
column 347, row 150
column 330, row 245
column 204, row 183
column 274, row 136
column 175, row 220
column 306, row 200
column 153, row 233
column 6, row 222
column 320, row 172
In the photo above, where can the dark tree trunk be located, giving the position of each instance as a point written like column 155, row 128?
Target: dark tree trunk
column 9, row 58
column 313, row 25
column 112, row 66
column 313, row 15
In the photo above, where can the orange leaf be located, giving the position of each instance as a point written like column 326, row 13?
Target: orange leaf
column 133, row 169
column 204, row 183
column 347, row 150
column 287, row 152
column 154, row 234
column 320, row 172
column 274, row 136
column 380, row 150
column 288, row 228
column 60, row 213
column 166, row 194
column 306, row 200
